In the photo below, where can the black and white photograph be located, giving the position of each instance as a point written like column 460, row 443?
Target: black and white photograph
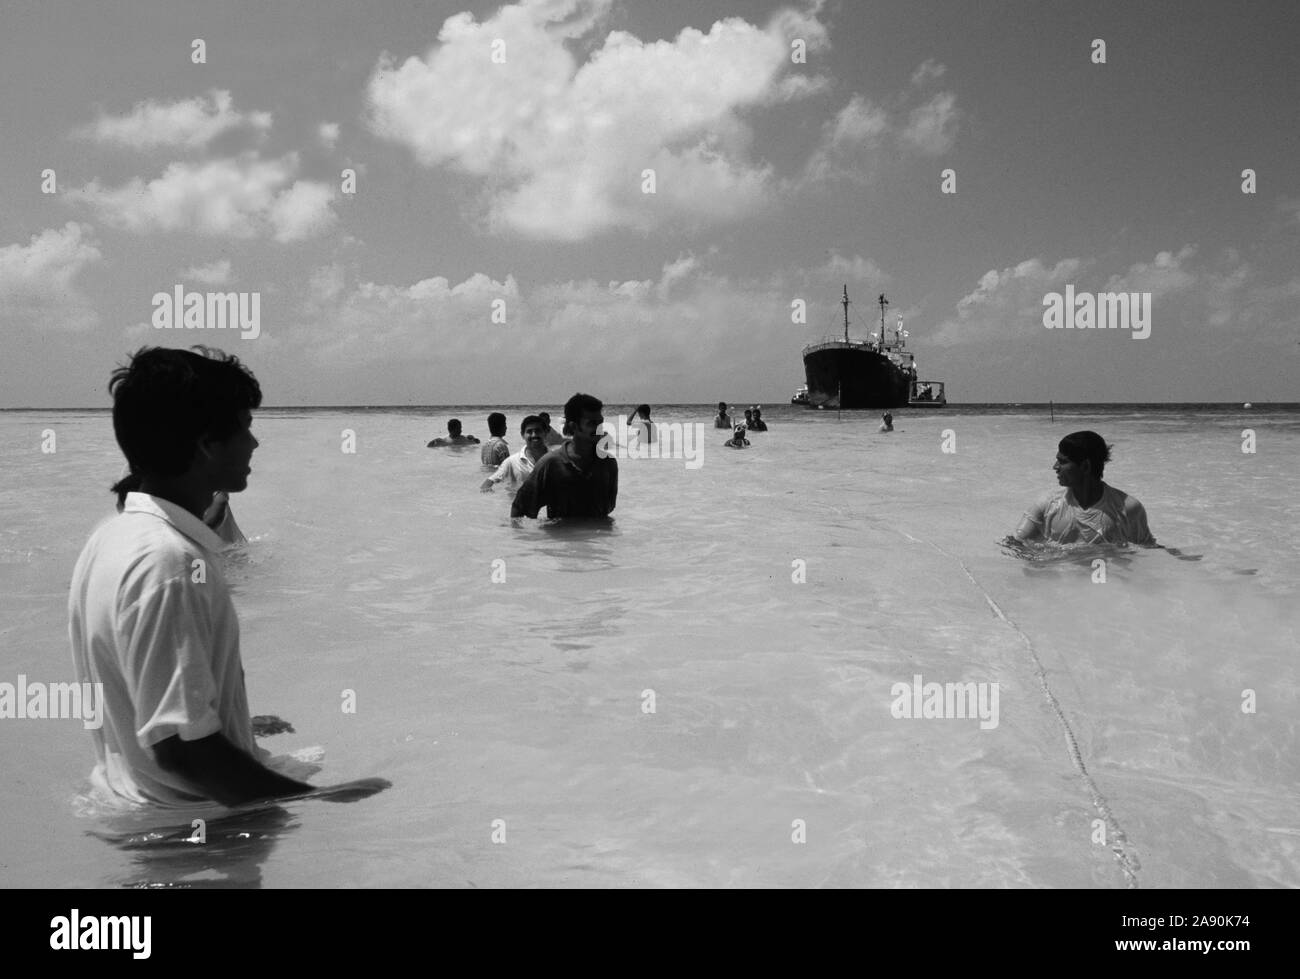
column 757, row 445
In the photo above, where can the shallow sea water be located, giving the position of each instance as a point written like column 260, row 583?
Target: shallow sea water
column 523, row 701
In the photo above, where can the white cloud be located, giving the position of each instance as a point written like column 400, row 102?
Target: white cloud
column 435, row 340
column 853, row 140
column 1191, row 302
column 243, row 197
column 932, row 128
column 37, row 279
column 928, row 71
column 854, row 269
column 189, row 123
column 1006, row 304
column 562, row 146
column 328, row 133
column 1164, row 275
column 213, row 274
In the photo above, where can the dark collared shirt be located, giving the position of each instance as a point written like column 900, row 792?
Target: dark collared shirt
column 565, row 490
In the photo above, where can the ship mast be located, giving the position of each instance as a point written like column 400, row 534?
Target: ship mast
column 883, row 303
column 845, row 300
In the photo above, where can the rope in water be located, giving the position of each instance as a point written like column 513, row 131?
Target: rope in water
column 1119, row 845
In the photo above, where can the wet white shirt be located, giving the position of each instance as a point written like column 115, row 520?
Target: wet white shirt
column 150, row 617
column 1116, row 518
column 514, row 470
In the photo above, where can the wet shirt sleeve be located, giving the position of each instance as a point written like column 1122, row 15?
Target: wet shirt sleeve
column 165, row 638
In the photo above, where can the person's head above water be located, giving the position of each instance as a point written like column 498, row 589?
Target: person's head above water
column 1081, row 457
column 749, row 412
column 722, row 409
column 545, row 417
column 497, row 424
column 583, row 416
column 739, row 432
column 453, row 428
column 178, row 413
column 532, row 421
column 643, row 411
column 758, row 412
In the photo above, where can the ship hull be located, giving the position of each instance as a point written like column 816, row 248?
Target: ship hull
column 850, row 377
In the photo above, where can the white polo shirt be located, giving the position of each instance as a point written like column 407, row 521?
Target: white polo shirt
column 150, row 617
column 515, row 468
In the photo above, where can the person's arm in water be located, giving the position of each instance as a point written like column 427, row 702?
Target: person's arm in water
column 234, row 778
column 1031, row 524
column 496, row 477
column 222, row 771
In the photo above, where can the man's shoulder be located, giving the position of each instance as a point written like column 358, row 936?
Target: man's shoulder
column 145, row 552
column 1055, row 495
column 1125, row 502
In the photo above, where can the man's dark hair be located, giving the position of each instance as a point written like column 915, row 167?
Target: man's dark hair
column 545, row 416
column 1078, row 446
column 497, row 423
column 579, row 405
column 165, row 399
column 722, row 406
column 530, row 420
column 453, row 427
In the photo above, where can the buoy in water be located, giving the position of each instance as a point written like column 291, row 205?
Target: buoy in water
column 1246, row 405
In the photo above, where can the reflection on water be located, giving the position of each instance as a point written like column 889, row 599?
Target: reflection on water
column 229, row 851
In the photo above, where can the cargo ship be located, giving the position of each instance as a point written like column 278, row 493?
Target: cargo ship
column 878, row 372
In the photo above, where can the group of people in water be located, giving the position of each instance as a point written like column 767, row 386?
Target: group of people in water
column 150, row 613
column 753, row 423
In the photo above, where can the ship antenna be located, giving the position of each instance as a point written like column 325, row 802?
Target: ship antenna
column 883, row 303
column 846, row 313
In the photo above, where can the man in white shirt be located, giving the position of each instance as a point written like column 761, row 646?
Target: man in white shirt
column 515, row 469
column 1084, row 509
column 150, row 615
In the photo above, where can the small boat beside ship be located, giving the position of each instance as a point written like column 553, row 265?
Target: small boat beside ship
column 878, row 372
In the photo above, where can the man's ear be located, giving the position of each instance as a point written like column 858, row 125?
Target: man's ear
column 204, row 448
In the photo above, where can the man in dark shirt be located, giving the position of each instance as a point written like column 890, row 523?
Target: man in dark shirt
column 573, row 480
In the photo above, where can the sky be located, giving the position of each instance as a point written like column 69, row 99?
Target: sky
column 636, row 199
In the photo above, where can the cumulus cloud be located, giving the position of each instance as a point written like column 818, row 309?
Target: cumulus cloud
column 328, row 133
column 436, row 339
column 928, row 71
column 852, row 269
column 213, row 274
column 37, row 285
column 561, row 146
column 188, row 123
column 932, row 128
column 854, row 138
column 1190, row 299
column 242, row 197
column 1006, row 302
